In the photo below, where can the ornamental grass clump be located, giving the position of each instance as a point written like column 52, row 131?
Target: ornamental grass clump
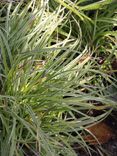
column 48, row 82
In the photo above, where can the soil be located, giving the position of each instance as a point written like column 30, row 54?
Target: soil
column 108, row 148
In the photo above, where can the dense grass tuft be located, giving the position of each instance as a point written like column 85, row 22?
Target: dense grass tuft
column 50, row 76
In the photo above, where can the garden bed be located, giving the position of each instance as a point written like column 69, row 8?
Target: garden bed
column 58, row 78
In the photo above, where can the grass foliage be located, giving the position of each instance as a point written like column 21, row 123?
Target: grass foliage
column 50, row 77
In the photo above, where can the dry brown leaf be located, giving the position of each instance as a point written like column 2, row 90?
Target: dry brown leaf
column 102, row 133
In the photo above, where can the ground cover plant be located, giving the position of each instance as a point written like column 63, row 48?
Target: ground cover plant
column 52, row 75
